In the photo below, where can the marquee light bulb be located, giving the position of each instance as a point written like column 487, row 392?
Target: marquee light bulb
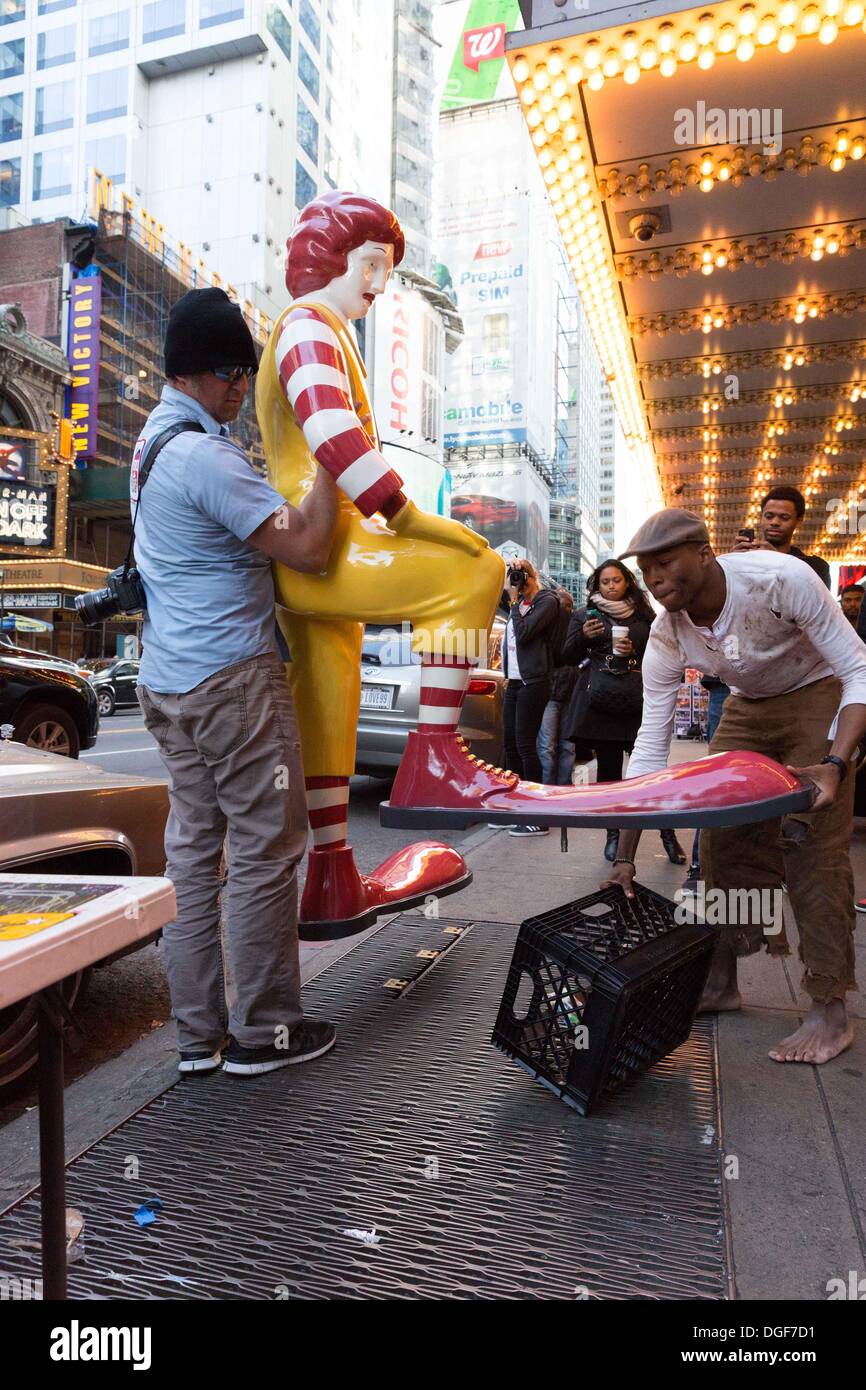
column 592, row 55
column 648, row 54
column 668, row 65
column 554, row 62
column 610, row 66
column 727, row 39
column 811, row 21
column 688, row 48
column 747, row 20
column 787, row 40
column 595, row 81
column 745, row 49
column 767, row 29
column 631, row 73
column 706, row 58
column 520, row 69
column 828, row 31
column 629, row 46
column 788, row 13
column 574, row 72
column 540, row 78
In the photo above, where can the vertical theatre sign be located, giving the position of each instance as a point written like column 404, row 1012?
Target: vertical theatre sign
column 83, row 353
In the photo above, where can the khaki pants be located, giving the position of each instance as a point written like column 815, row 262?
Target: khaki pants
column 232, row 753
column 792, row 729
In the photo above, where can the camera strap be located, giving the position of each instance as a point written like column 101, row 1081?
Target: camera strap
column 152, row 452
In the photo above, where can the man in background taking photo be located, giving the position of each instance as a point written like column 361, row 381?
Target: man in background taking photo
column 782, row 510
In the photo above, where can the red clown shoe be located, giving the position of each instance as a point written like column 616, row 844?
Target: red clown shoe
column 338, row 901
column 440, row 783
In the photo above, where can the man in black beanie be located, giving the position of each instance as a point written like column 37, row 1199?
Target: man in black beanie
column 214, row 695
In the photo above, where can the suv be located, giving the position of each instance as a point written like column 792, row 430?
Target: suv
column 115, row 683
column 49, row 705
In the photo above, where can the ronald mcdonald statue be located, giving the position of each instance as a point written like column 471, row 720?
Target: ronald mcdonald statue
column 389, row 561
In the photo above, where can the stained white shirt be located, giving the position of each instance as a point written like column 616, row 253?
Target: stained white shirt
column 780, row 629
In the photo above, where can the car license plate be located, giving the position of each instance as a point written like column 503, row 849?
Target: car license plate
column 377, row 696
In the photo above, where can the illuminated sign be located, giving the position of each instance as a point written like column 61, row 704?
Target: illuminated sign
column 83, row 354
column 26, row 515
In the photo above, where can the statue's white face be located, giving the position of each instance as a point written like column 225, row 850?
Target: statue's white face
column 367, row 276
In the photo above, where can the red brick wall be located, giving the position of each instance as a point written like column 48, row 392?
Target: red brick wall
column 31, row 261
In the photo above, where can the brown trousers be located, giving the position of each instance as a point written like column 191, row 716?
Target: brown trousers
column 808, row 851
column 232, row 754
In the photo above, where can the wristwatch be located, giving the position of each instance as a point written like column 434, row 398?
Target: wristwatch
column 840, row 763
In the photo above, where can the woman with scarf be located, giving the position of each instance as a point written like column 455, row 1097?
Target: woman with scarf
column 604, row 712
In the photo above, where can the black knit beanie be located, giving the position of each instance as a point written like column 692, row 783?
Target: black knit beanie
column 206, row 330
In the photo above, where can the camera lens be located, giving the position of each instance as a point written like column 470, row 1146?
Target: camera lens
column 95, row 607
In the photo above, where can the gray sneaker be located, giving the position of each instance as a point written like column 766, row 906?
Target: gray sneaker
column 310, row 1039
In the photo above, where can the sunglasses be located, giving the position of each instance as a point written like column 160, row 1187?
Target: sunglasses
column 233, row 374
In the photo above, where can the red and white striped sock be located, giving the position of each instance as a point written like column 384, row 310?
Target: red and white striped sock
column 328, row 810
column 443, row 688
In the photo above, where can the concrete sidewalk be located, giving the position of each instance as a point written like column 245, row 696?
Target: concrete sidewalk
column 798, row 1133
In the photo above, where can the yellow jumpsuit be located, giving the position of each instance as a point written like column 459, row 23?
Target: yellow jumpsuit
column 373, row 576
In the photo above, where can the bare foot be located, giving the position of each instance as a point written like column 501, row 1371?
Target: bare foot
column 824, row 1033
column 718, row 1001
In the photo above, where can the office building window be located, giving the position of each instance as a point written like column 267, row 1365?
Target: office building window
column 11, row 117
column 310, row 24
column 108, row 155
column 52, row 173
column 11, row 10
column 163, row 19
column 220, row 12
column 55, row 46
column 55, row 107
column 308, row 132
column 10, row 182
column 108, row 33
column 280, row 28
column 308, row 72
column 106, row 94
column 305, row 186
column 52, row 6
column 11, row 58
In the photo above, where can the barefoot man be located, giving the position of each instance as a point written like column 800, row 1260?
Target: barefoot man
column 765, row 625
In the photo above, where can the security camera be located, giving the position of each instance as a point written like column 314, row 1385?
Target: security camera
column 644, row 225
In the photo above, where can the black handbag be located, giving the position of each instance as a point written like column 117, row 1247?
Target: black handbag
column 615, row 686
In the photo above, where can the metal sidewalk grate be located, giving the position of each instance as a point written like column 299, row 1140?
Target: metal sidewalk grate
column 480, row 1184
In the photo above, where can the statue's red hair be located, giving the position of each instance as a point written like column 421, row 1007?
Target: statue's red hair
column 327, row 229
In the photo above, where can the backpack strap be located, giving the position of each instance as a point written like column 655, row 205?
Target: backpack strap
column 154, row 449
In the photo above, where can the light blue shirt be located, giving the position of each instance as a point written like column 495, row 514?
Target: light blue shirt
column 210, row 595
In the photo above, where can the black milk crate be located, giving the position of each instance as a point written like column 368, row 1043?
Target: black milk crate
column 600, row 989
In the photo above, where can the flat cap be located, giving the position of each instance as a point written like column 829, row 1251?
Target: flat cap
column 665, row 529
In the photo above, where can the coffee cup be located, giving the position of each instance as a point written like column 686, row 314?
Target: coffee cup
column 618, row 634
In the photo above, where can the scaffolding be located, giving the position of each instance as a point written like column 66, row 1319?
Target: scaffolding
column 142, row 278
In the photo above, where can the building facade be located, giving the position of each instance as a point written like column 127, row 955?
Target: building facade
column 607, row 477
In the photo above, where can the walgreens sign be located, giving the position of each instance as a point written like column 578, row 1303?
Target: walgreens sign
column 482, row 45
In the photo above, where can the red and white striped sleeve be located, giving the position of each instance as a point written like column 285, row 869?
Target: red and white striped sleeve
column 312, row 372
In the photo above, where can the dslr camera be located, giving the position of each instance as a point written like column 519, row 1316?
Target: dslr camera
column 517, row 577
column 123, row 593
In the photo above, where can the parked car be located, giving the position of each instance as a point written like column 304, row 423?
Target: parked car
column 390, row 690
column 115, row 683
column 48, row 703
column 61, row 817
column 480, row 513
